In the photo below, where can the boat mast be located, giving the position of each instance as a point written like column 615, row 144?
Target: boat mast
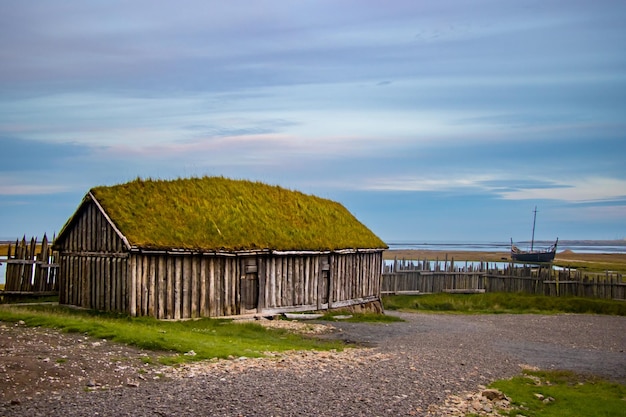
column 532, row 241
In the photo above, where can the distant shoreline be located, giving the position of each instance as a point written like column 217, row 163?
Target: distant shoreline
column 496, row 256
column 578, row 246
column 574, row 242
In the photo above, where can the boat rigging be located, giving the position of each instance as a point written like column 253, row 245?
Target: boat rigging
column 533, row 256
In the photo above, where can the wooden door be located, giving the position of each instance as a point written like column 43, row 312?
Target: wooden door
column 249, row 286
column 323, row 291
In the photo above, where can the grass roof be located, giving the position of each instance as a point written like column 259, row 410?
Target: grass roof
column 215, row 213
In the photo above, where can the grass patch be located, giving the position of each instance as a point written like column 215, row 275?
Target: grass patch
column 215, row 213
column 191, row 340
column 562, row 393
column 494, row 303
column 20, row 299
column 598, row 267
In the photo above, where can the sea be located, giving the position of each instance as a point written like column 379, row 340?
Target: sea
column 578, row 246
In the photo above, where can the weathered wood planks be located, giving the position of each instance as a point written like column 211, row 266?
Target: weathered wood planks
column 31, row 268
column 541, row 281
column 178, row 286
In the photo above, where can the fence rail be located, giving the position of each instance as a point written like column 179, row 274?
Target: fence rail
column 29, row 270
column 415, row 277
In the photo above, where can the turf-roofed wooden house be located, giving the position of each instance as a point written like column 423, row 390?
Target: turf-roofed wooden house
column 211, row 247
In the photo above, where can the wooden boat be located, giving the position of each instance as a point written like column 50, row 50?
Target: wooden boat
column 533, row 255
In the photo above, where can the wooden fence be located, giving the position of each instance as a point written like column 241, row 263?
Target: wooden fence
column 29, row 271
column 416, row 277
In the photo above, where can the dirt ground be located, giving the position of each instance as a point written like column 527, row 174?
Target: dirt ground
column 35, row 361
column 404, row 369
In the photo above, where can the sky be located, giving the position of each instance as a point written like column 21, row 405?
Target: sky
column 430, row 121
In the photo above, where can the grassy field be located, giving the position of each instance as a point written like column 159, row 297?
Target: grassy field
column 499, row 303
column 592, row 262
column 562, row 393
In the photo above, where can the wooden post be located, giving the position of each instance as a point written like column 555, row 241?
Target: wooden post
column 132, row 285
column 261, row 277
column 318, row 267
column 178, row 272
column 204, row 311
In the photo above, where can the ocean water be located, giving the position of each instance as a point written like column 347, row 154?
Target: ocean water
column 573, row 245
column 3, row 271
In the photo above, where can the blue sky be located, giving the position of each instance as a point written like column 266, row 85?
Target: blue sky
column 430, row 121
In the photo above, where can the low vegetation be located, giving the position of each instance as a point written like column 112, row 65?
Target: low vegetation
column 27, row 299
column 213, row 213
column 562, row 393
column 187, row 340
column 516, row 303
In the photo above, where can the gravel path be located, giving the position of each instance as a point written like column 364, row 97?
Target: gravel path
column 406, row 369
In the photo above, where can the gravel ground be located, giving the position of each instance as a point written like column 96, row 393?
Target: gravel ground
column 399, row 369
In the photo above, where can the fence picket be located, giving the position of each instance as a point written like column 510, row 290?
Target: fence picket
column 29, row 272
column 410, row 277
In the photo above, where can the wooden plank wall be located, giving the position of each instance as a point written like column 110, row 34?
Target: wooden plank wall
column 93, row 264
column 176, row 286
column 315, row 280
column 92, row 233
column 355, row 276
column 173, row 286
column 292, row 280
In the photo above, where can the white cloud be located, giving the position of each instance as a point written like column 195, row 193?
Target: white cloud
column 410, row 183
column 601, row 213
column 592, row 189
column 574, row 191
column 22, row 189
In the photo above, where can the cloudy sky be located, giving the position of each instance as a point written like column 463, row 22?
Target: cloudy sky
column 429, row 120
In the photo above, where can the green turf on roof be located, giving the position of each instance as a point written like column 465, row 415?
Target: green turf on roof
column 214, row 213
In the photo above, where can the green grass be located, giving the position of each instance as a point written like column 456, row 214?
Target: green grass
column 213, row 213
column 598, row 267
column 516, row 303
column 13, row 299
column 207, row 338
column 562, row 393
